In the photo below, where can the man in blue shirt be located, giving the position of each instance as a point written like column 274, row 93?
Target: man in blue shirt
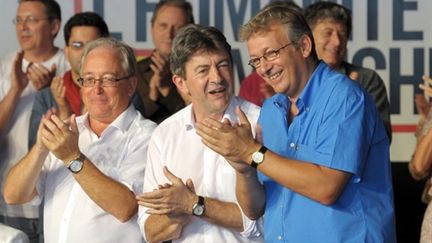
column 324, row 169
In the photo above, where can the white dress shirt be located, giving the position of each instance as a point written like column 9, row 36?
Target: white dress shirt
column 176, row 145
column 14, row 140
column 120, row 153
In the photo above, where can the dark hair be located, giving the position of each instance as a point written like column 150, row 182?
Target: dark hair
column 328, row 10
column 193, row 39
column 52, row 8
column 90, row 19
column 182, row 4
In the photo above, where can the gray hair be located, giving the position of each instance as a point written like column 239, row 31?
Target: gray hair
column 193, row 39
column 291, row 18
column 127, row 54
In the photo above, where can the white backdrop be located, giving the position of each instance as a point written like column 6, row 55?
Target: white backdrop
column 390, row 36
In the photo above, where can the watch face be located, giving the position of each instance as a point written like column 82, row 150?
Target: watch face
column 258, row 157
column 198, row 210
column 76, row 166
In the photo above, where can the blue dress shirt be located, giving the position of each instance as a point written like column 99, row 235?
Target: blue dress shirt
column 337, row 127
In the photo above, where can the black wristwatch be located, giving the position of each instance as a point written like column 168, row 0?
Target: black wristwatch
column 76, row 165
column 258, row 157
column 198, row 208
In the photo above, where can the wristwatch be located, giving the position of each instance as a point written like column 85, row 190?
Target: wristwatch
column 258, row 157
column 198, row 208
column 76, row 165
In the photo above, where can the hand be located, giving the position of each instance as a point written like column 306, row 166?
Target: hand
column 421, row 104
column 18, row 77
column 61, row 137
column 175, row 199
column 234, row 142
column 40, row 76
column 39, row 144
column 160, row 68
column 58, row 90
column 426, row 87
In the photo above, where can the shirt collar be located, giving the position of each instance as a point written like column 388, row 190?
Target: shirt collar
column 228, row 114
column 311, row 88
column 122, row 122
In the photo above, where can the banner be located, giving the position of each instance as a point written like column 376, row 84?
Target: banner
column 389, row 36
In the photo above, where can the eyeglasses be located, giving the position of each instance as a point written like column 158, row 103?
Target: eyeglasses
column 77, row 44
column 105, row 81
column 268, row 56
column 27, row 20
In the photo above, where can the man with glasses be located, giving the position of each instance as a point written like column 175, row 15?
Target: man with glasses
column 88, row 169
column 22, row 73
column 322, row 171
column 64, row 92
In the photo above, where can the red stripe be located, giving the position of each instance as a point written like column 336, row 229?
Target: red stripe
column 404, row 128
column 143, row 52
column 78, row 6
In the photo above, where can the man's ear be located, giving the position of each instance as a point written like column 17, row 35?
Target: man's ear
column 180, row 83
column 133, row 82
column 305, row 46
column 56, row 25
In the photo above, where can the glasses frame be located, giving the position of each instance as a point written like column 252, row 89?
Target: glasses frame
column 268, row 56
column 100, row 79
column 28, row 20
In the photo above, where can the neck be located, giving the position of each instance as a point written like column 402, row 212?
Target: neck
column 307, row 71
column 75, row 77
column 98, row 126
column 40, row 55
column 199, row 116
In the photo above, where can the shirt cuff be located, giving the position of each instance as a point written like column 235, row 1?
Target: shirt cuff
column 251, row 228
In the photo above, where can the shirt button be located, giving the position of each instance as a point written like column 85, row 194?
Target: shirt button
column 280, row 237
column 307, row 108
column 292, row 145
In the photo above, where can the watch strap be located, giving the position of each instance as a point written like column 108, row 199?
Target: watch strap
column 262, row 150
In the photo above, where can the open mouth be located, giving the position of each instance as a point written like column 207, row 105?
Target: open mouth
column 216, row 91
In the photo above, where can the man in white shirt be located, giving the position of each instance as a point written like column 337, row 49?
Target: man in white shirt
column 22, row 73
column 88, row 169
column 189, row 192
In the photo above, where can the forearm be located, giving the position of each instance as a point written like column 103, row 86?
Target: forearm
column 319, row 183
column 7, row 108
column 250, row 195
column 159, row 228
column 421, row 162
column 64, row 110
column 230, row 218
column 112, row 196
column 20, row 184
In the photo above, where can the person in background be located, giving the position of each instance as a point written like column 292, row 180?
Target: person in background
column 420, row 165
column 64, row 92
column 321, row 172
column 253, row 88
column 22, row 73
column 155, row 88
column 188, row 189
column 88, row 169
column 331, row 25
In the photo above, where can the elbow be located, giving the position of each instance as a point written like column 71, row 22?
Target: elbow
column 127, row 213
column 328, row 197
column 418, row 172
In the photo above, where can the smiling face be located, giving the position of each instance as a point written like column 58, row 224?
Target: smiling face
column 169, row 19
column 286, row 73
column 331, row 39
column 105, row 104
column 35, row 32
column 208, row 81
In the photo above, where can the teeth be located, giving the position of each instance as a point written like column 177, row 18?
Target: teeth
column 217, row 91
column 274, row 76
